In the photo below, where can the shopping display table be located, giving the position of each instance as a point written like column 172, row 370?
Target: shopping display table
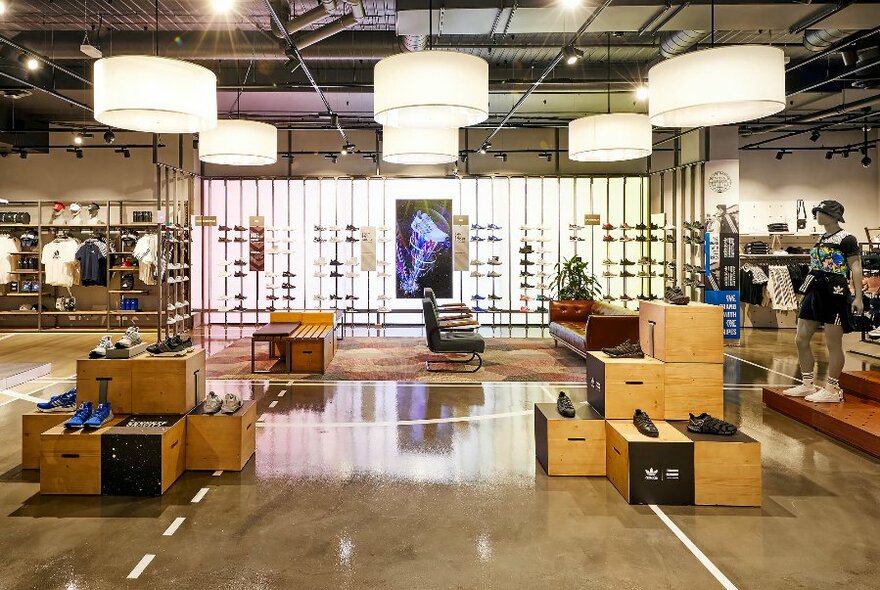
column 275, row 334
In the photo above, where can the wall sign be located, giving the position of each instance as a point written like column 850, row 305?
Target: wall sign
column 424, row 252
column 368, row 248
column 205, row 220
column 461, row 242
column 591, row 219
column 721, row 263
column 257, row 243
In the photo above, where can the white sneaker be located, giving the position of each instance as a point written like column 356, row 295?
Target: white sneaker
column 383, row 298
column 320, row 261
column 827, row 394
column 803, row 390
column 384, row 275
column 351, row 262
column 131, row 338
column 319, row 275
column 383, row 228
column 100, row 351
column 477, row 274
column 382, row 309
column 352, row 275
column 383, row 263
column 231, row 404
column 874, row 334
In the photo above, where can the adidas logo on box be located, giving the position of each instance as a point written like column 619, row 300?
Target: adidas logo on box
column 651, row 474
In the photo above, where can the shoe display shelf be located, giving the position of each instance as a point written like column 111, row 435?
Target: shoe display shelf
column 570, row 446
column 96, row 307
column 159, row 423
column 686, row 377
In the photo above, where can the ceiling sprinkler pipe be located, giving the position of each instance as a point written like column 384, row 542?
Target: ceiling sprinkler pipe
column 816, row 40
column 677, row 42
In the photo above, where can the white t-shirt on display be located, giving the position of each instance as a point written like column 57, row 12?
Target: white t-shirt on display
column 8, row 260
column 59, row 260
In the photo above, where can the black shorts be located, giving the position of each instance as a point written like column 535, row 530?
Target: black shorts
column 828, row 302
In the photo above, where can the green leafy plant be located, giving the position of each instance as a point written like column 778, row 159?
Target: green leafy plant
column 573, row 280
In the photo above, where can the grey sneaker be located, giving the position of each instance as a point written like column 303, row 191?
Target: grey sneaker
column 231, row 404
column 212, row 403
column 100, row 351
column 132, row 338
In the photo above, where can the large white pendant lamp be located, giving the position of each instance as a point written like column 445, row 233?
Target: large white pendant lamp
column 419, row 146
column 430, row 90
column 154, row 94
column 237, row 142
column 717, row 86
column 609, row 138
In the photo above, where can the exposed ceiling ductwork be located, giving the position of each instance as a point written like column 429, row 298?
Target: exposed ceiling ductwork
column 413, row 42
column 816, row 40
column 325, row 8
column 677, row 42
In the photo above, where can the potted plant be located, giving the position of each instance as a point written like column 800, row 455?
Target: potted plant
column 574, row 281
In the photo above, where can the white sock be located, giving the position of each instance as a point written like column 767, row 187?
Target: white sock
column 807, row 378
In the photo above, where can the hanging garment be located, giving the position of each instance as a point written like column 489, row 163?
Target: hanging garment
column 8, row 260
column 781, row 290
column 146, row 251
column 92, row 257
column 59, row 259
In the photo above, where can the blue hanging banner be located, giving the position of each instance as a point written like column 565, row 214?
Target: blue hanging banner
column 721, row 280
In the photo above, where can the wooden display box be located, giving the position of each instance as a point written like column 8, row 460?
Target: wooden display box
column 650, row 470
column 167, row 385
column 691, row 333
column 144, row 384
column 89, row 372
column 617, row 387
column 570, row 446
column 143, row 455
column 70, row 459
column 311, row 348
column 221, row 441
column 727, row 469
column 693, row 388
column 33, row 424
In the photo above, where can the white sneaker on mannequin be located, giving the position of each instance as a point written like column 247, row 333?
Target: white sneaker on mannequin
column 827, row 394
column 803, row 390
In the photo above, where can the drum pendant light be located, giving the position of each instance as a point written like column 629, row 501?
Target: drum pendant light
column 236, row 142
column 431, row 90
column 609, row 138
column 717, row 86
column 154, row 94
column 419, row 146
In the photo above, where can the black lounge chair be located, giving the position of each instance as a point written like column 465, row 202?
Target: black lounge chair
column 446, row 343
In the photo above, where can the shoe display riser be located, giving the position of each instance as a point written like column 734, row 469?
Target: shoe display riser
column 33, row 424
column 693, row 388
column 144, row 384
column 690, row 333
column 221, row 441
column 570, row 446
column 143, row 455
column 70, row 460
column 617, row 387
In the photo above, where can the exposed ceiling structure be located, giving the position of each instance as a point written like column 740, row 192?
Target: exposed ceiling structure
column 833, row 52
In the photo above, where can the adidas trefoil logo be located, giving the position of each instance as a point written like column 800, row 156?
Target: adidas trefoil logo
column 651, row 474
column 838, row 290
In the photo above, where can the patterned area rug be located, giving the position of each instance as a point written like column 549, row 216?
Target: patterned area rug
column 403, row 359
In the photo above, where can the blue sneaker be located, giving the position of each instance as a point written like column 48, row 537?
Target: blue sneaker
column 100, row 416
column 65, row 402
column 80, row 416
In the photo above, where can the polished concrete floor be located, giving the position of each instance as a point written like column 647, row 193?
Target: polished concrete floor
column 384, row 485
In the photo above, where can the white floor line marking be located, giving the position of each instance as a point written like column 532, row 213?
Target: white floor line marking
column 289, row 383
column 141, row 566
column 571, row 384
column 282, row 392
column 400, row 423
column 4, row 337
column 218, row 473
column 199, row 495
column 261, row 418
column 22, row 396
column 761, row 367
column 701, row 557
column 273, row 404
column 172, row 528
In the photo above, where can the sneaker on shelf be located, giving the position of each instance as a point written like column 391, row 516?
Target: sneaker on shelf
column 477, row 227
column 493, row 275
column 541, row 309
column 337, row 239
column 239, row 307
column 827, row 394
column 706, row 424
column 99, row 417
column 351, row 261
column 320, row 228
column 83, row 413
column 625, row 226
column 478, row 239
column 608, row 274
column 526, row 285
column 626, row 238
column 525, row 298
column 272, row 298
column 605, row 238
column 320, row 297
column 494, row 238
column 526, row 250
column 383, row 298
column 383, row 275
column 382, row 309
column 336, row 275
column 526, row 273
column 626, row 298
column 175, row 345
column 320, row 261
column 494, row 261
column 383, row 228
column 644, row 424
column 319, row 275
column 494, row 297
column 675, row 296
column 477, row 274
column 564, row 405
column 350, row 227
column 608, row 262
column 874, row 334
column 608, row 227
column 625, row 350
column 525, row 309
column 477, row 262
column 352, row 274
column 477, row 297
column 64, row 402
column 626, row 274
column 131, row 338
column 478, row 309
column 319, row 240
column 100, row 351
column 493, row 227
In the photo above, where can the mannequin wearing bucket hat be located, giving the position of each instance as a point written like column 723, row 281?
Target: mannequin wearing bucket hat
column 835, row 271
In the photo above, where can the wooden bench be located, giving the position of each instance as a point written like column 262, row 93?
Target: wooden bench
column 312, row 345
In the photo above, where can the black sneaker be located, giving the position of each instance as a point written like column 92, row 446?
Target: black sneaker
column 335, row 263
column 494, row 297
column 526, row 262
column 336, row 275
column 706, row 424
column 350, row 227
column 224, row 228
column 287, row 286
column 641, row 226
column 288, row 274
column 626, row 274
column 239, row 307
column 526, row 273
column 626, row 262
column 526, row 250
column 239, row 228
column 352, row 239
column 174, row 346
column 564, row 406
column 239, row 263
column 645, row 425
column 240, row 297
column 526, row 285
column 625, row 350
column 239, row 274
column 675, row 296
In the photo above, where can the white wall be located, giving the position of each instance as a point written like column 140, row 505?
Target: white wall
column 808, row 175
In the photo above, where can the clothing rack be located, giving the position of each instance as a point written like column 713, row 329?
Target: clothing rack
column 101, row 305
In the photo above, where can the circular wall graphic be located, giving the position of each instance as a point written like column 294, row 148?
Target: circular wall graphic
column 720, row 181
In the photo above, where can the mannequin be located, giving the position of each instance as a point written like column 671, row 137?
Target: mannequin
column 835, row 261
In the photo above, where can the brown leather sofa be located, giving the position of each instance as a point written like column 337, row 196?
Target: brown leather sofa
column 591, row 325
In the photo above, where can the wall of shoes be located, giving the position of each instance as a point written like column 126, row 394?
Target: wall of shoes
column 78, row 266
column 520, row 228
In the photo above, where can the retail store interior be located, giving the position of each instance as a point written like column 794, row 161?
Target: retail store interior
column 439, row 294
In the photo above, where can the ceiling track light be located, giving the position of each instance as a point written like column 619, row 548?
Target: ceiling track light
column 347, row 148
column 109, row 136
column 546, row 156
column 780, row 154
column 126, row 153
column 866, row 161
column 29, row 61
column 501, row 156
column 815, row 135
column 78, row 138
column 829, row 155
column 23, row 154
column 641, row 93
column 572, row 54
